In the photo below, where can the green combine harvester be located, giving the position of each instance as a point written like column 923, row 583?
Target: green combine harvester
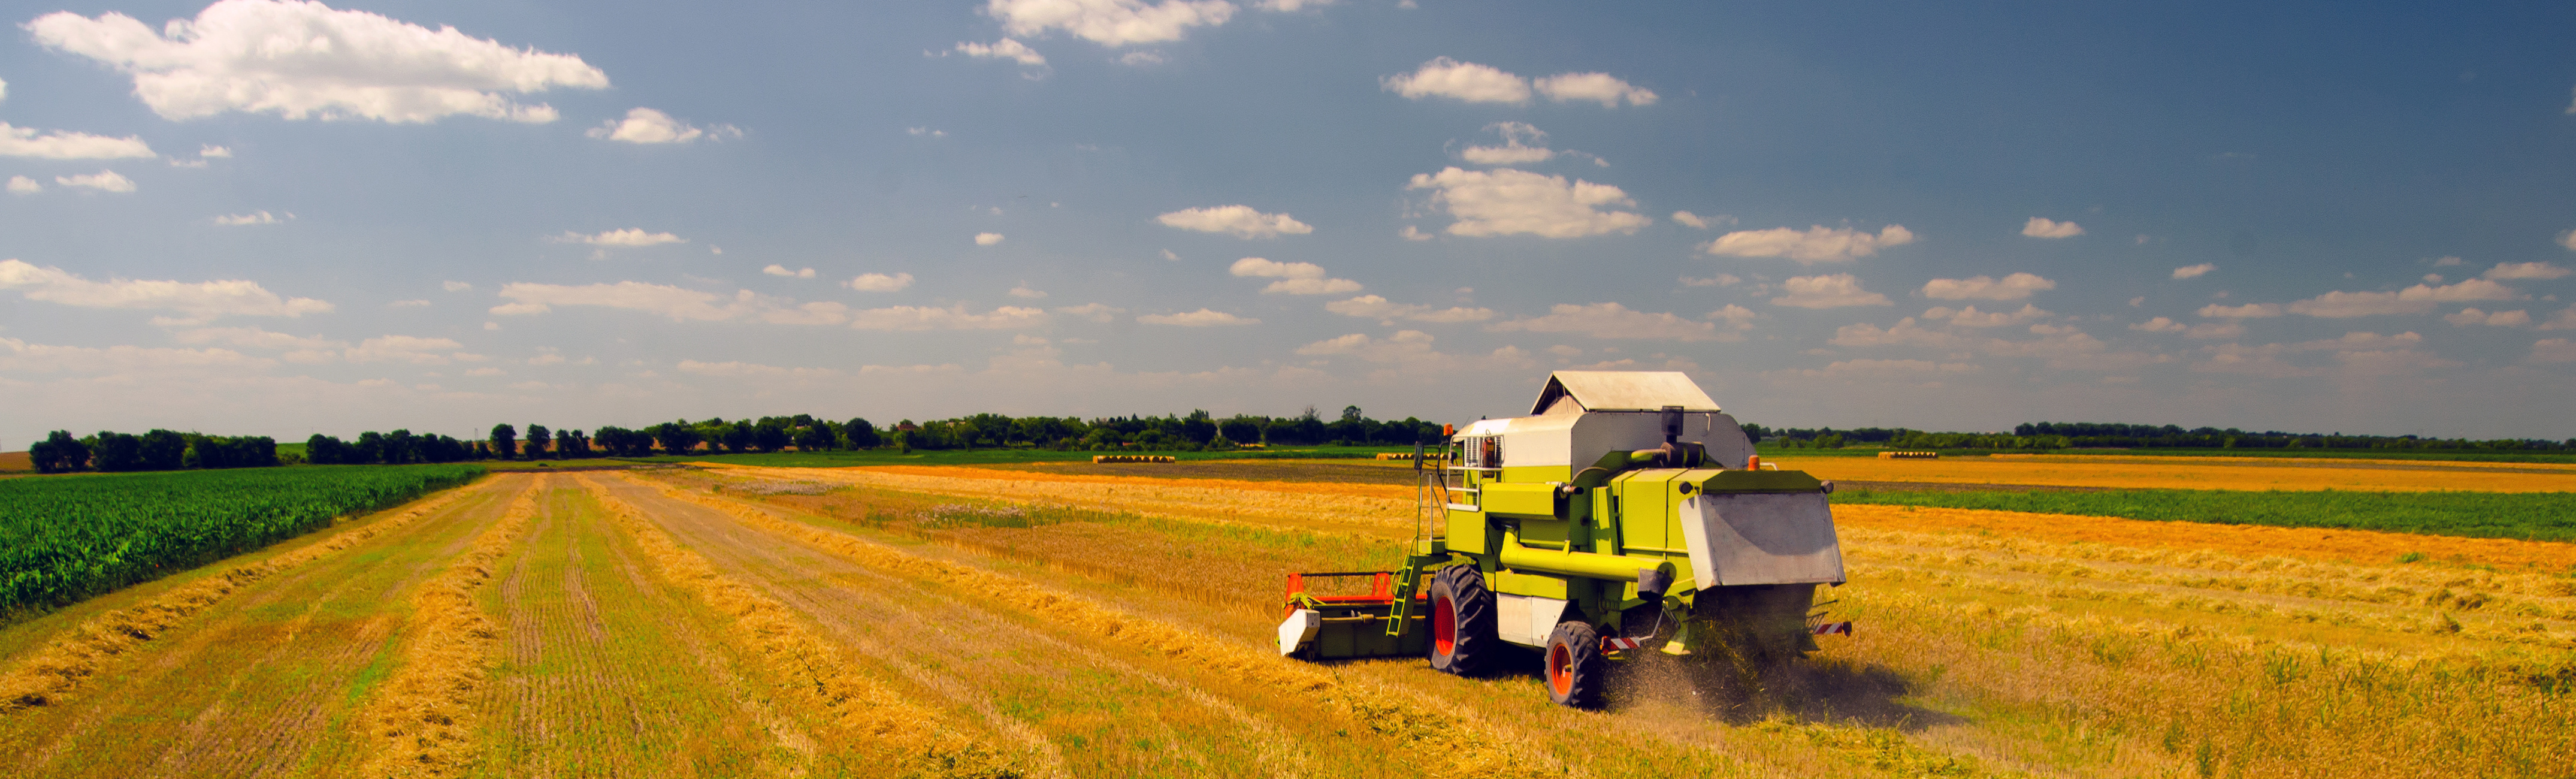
column 1626, row 515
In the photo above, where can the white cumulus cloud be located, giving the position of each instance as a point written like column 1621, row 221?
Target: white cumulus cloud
column 1597, row 87
column 2553, row 350
column 1508, row 202
column 2194, row 271
column 2204, row 330
column 305, row 59
column 631, row 236
column 645, row 125
column 1239, row 220
column 1445, row 77
column 200, row 301
column 1200, row 318
column 1612, row 320
column 252, row 218
column 2417, row 299
column 2473, row 316
column 987, row 239
column 2247, row 311
column 879, row 282
column 58, row 145
column 2526, row 270
column 1294, row 278
column 2018, row 286
column 21, row 185
column 103, row 181
column 1971, row 317
column 1097, row 312
column 952, row 318
column 1815, row 244
column 781, row 270
column 1006, row 49
column 409, row 349
column 1829, row 291
column 1109, row 22
column 2042, row 227
column 1522, row 145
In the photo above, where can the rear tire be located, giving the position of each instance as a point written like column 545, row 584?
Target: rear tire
column 1576, row 671
column 1463, row 642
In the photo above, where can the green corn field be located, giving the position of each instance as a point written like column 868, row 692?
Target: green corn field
column 66, row 539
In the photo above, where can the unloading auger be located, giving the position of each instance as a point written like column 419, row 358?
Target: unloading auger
column 1626, row 515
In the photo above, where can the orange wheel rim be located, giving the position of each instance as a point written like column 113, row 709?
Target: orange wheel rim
column 1444, row 626
column 1560, row 669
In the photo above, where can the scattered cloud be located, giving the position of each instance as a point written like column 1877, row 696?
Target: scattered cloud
column 1829, row 291
column 1698, row 222
column 648, row 126
column 1023, row 291
column 200, row 301
column 2043, row 227
column 21, row 185
column 2018, row 286
column 2526, row 270
column 1874, row 368
column 1815, row 244
column 628, row 237
column 738, row 369
column 2568, row 239
column 1611, row 320
column 408, row 304
column 455, row 286
column 1109, row 22
column 952, row 318
column 1374, row 307
column 1138, row 59
column 1719, row 280
column 1097, row 312
column 20, row 357
column 2564, row 320
column 103, row 181
column 2553, row 350
column 1468, row 81
column 2194, row 271
column 987, row 239
column 1596, row 87
column 1522, row 145
column 2473, row 316
column 1508, row 202
column 211, row 151
column 1294, row 278
column 2448, row 262
column 926, row 131
column 1200, row 318
column 307, row 60
column 2203, row 330
column 252, row 218
column 255, row 338
column 687, row 305
column 409, row 349
column 1006, row 49
column 879, row 282
column 781, row 270
column 1240, row 220
column 2247, row 311
column 2417, row 299
column 58, row 145
column 1971, row 317
column 1412, row 233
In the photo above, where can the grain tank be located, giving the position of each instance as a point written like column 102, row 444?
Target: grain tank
column 1627, row 514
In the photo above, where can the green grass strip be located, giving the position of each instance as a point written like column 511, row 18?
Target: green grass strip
column 2532, row 516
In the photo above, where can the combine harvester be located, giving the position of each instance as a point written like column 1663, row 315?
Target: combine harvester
column 1627, row 515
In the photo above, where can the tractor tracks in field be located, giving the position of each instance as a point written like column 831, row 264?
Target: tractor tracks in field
column 419, row 721
column 861, row 708
column 1464, row 742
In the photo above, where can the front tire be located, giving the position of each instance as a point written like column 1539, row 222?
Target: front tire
column 1576, row 671
column 1463, row 641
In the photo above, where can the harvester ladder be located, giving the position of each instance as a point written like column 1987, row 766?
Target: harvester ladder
column 1430, row 525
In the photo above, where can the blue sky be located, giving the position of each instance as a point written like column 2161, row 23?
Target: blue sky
column 287, row 218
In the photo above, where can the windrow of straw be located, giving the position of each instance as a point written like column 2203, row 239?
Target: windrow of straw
column 1464, row 741
column 1273, row 504
column 420, row 722
column 63, row 664
column 863, row 709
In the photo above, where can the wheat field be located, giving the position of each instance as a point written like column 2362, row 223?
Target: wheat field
column 731, row 621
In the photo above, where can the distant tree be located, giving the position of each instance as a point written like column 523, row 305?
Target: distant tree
column 164, row 450
column 676, row 437
column 814, row 435
column 771, row 435
column 572, row 443
column 114, row 452
column 401, row 447
column 738, row 437
column 860, row 434
column 59, row 453
column 540, row 441
column 371, row 448
column 326, row 450
column 1241, row 429
column 1351, row 414
column 505, row 441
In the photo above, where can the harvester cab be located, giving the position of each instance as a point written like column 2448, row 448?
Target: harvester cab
column 1626, row 515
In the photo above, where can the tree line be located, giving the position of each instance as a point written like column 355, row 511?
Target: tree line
column 157, row 450
column 2101, row 435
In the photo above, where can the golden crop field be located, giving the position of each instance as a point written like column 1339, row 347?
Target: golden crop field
column 736, row 621
column 2198, row 473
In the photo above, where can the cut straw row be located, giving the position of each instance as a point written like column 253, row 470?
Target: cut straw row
column 420, row 722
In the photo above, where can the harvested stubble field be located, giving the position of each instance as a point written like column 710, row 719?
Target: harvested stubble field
column 988, row 622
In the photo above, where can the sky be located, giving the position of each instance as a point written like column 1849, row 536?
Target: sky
column 284, row 218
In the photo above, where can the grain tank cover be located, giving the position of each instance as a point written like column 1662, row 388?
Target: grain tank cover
column 1623, row 391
